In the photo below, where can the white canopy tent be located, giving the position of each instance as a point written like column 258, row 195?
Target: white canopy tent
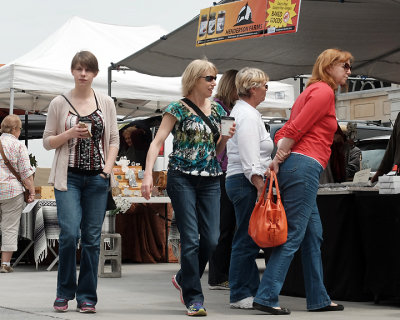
column 31, row 81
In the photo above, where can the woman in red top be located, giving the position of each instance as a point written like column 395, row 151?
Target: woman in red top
column 303, row 152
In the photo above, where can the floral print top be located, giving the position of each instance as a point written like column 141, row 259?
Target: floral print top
column 193, row 145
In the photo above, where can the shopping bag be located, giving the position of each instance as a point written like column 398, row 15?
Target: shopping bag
column 268, row 224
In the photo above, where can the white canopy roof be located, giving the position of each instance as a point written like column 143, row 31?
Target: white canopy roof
column 44, row 72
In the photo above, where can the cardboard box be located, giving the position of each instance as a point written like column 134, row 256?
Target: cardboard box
column 44, row 192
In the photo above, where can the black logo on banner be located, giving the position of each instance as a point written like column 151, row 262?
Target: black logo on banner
column 244, row 16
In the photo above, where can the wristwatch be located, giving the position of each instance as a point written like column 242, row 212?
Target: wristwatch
column 107, row 175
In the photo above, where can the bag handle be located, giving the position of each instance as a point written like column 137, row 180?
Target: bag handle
column 274, row 178
column 9, row 166
column 271, row 179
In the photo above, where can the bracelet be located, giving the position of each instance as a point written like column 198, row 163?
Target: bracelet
column 107, row 175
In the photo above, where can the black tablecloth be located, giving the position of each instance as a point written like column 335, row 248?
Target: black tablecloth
column 359, row 253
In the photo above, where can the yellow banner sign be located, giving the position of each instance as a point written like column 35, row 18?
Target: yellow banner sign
column 282, row 16
column 247, row 19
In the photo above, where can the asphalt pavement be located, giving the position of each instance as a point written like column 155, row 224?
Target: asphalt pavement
column 145, row 292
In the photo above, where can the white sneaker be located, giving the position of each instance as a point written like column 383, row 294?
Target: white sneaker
column 246, row 303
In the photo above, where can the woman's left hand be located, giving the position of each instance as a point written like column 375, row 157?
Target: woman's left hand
column 31, row 197
column 267, row 173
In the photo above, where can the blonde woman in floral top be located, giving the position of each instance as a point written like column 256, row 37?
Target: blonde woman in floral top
column 193, row 177
column 11, row 190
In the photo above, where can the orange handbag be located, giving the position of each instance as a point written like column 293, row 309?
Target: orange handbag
column 268, row 224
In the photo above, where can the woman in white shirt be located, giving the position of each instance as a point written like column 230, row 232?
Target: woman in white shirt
column 249, row 154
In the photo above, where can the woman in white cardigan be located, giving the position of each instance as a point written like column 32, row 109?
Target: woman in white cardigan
column 81, row 125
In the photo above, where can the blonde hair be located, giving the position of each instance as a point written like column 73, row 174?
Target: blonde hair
column 193, row 72
column 12, row 121
column 248, row 78
column 326, row 59
column 226, row 91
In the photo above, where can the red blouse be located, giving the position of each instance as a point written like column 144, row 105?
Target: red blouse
column 312, row 123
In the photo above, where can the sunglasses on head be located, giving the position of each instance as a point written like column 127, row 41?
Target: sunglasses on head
column 346, row 66
column 210, row 78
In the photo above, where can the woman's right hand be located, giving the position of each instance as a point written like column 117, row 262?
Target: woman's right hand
column 274, row 165
column 147, row 186
column 78, row 132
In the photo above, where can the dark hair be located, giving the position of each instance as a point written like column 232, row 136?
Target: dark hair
column 226, row 91
column 85, row 59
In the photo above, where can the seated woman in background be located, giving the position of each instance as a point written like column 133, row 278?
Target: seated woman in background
column 135, row 142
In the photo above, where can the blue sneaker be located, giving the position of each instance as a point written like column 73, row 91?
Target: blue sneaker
column 197, row 310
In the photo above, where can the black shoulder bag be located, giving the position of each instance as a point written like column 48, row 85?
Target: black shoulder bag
column 204, row 117
column 110, row 200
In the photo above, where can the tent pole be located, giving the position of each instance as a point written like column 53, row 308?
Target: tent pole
column 11, row 100
column 26, row 125
column 109, row 79
column 301, row 84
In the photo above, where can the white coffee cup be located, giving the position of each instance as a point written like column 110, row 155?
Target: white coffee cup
column 226, row 125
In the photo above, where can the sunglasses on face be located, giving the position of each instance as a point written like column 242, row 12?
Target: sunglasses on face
column 210, row 78
column 346, row 66
column 266, row 87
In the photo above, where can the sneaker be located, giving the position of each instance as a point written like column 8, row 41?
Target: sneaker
column 220, row 286
column 86, row 307
column 246, row 303
column 6, row 269
column 60, row 305
column 178, row 287
column 197, row 310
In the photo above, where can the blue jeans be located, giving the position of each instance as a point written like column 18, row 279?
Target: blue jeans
column 80, row 212
column 298, row 181
column 244, row 277
column 195, row 201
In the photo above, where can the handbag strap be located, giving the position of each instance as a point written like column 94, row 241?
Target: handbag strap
column 203, row 116
column 9, row 166
column 272, row 179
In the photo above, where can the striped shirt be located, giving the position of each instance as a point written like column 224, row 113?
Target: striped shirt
column 17, row 154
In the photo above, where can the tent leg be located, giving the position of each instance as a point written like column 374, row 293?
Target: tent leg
column 109, row 78
column 11, row 100
column 26, row 128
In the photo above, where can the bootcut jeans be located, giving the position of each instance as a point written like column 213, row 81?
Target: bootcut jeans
column 196, row 203
column 244, row 276
column 80, row 212
column 298, row 179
